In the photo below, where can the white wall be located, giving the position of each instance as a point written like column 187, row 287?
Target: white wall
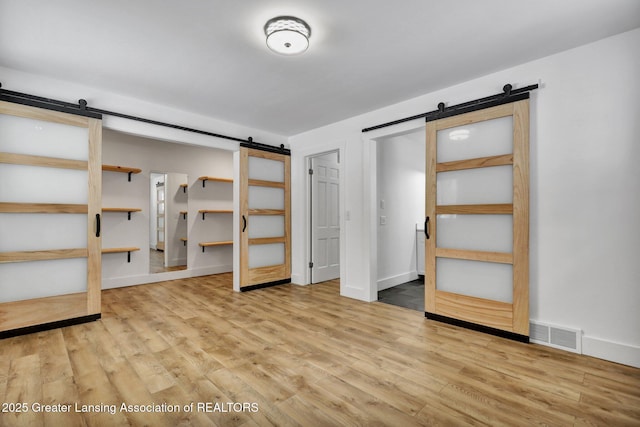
column 401, row 201
column 175, row 159
column 585, row 189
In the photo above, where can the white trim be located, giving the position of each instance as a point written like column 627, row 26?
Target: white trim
column 302, row 157
column 369, row 162
column 608, row 350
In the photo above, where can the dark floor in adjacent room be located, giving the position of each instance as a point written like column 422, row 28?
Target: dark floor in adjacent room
column 408, row 295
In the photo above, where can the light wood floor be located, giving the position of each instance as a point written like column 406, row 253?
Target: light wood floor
column 305, row 356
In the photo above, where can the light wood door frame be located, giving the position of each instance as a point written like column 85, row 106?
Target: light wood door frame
column 259, row 277
column 43, row 313
column 479, row 313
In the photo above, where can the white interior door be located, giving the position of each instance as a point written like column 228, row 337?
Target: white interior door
column 325, row 218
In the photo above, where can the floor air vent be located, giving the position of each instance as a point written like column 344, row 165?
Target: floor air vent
column 556, row 336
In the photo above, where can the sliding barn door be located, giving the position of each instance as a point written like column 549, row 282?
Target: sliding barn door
column 50, row 201
column 477, row 207
column 265, row 218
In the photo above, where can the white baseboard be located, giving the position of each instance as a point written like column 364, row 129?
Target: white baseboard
column 615, row 352
column 390, row 282
column 120, row 282
column 298, row 279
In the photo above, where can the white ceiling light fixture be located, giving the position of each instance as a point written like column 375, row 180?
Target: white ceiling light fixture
column 287, row 35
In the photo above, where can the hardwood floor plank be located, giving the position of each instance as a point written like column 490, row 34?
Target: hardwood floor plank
column 525, row 400
column 626, row 406
column 84, row 360
column 106, row 346
column 54, row 363
column 305, row 356
column 479, row 406
column 5, row 362
column 175, row 395
column 263, row 382
column 365, row 406
column 61, row 392
column 155, row 377
column 24, row 386
column 132, row 390
column 241, row 392
column 621, row 386
column 305, row 413
column 129, row 342
column 396, row 391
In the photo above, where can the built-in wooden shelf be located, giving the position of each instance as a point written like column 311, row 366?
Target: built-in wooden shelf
column 184, row 240
column 184, row 187
column 214, row 211
column 120, row 250
column 127, row 210
column 213, row 178
column 184, row 214
column 122, row 169
column 207, row 244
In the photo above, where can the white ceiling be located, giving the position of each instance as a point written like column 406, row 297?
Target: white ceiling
column 210, row 57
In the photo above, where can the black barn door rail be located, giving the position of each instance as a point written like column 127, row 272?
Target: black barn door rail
column 506, row 96
column 82, row 109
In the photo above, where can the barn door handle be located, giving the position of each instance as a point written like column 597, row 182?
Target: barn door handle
column 97, row 225
column 244, row 223
column 426, row 227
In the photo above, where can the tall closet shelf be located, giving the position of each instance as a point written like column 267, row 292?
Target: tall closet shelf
column 121, row 169
column 204, row 179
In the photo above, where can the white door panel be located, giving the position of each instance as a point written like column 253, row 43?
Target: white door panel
column 325, row 218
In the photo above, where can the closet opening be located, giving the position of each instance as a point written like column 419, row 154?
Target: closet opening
column 399, row 218
column 179, row 207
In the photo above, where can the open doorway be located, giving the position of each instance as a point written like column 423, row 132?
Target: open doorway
column 400, row 207
column 324, row 217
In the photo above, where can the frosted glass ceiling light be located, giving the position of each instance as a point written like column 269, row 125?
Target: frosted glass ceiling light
column 287, row 35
